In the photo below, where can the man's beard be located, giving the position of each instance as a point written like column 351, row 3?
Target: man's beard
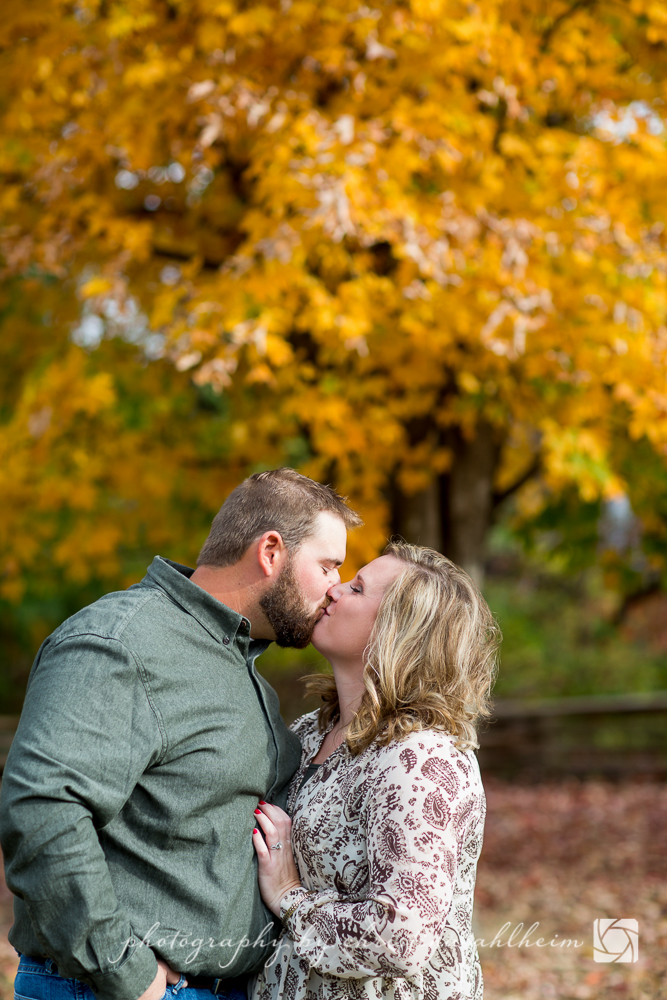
column 287, row 612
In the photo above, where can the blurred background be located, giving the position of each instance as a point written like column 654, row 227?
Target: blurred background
column 415, row 250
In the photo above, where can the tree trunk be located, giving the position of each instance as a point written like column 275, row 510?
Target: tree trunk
column 418, row 518
column 455, row 513
column 468, row 499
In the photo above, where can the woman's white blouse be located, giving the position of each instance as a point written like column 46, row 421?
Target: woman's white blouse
column 387, row 842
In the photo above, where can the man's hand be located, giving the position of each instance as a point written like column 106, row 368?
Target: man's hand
column 157, row 988
column 277, row 870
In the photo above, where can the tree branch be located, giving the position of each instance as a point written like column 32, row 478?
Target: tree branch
column 174, row 253
column 578, row 5
column 531, row 471
column 502, row 122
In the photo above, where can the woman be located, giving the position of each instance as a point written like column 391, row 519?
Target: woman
column 387, row 807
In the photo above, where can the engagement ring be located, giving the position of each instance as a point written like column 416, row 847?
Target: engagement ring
column 276, row 847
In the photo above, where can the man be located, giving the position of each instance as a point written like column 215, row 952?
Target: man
column 146, row 740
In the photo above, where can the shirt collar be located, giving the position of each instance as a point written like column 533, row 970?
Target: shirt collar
column 225, row 625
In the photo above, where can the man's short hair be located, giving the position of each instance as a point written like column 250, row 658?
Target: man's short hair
column 280, row 500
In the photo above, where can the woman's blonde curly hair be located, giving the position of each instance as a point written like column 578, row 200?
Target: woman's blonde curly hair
column 431, row 659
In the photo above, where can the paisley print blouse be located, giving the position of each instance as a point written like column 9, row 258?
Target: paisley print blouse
column 386, row 844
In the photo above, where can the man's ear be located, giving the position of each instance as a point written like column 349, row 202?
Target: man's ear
column 271, row 553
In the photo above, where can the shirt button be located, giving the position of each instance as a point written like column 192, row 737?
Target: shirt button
column 226, row 640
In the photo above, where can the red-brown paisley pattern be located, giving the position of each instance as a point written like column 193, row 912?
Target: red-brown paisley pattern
column 443, row 773
column 436, row 810
column 389, row 841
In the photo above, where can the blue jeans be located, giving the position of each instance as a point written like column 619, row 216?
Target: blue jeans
column 38, row 979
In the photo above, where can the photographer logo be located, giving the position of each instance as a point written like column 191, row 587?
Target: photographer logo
column 615, row 940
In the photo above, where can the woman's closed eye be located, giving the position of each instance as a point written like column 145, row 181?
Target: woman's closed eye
column 356, row 590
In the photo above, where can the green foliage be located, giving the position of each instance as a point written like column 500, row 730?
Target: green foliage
column 559, row 640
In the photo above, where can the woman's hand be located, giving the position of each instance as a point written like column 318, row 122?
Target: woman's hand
column 277, row 871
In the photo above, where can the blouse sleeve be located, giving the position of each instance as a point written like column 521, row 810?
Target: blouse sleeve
column 420, row 811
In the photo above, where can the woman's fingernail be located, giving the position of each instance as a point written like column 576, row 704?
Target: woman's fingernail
column 262, row 802
column 254, row 831
column 258, row 811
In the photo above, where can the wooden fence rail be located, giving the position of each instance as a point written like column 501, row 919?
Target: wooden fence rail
column 610, row 735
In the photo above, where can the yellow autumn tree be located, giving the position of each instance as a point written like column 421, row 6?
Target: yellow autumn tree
column 418, row 247
column 104, row 458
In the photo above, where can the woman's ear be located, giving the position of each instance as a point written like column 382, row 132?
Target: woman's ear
column 271, row 553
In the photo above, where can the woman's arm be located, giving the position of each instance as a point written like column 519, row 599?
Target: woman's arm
column 418, row 816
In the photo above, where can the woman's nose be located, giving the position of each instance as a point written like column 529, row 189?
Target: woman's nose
column 335, row 590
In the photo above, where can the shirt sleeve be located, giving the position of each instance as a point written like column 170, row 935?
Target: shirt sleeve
column 86, row 734
column 418, row 816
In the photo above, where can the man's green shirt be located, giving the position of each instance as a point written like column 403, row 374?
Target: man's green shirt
column 146, row 739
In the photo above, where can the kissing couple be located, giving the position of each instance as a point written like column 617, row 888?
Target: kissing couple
column 167, row 837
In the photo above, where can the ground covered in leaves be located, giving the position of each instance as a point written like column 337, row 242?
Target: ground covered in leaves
column 563, row 855
column 559, row 855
